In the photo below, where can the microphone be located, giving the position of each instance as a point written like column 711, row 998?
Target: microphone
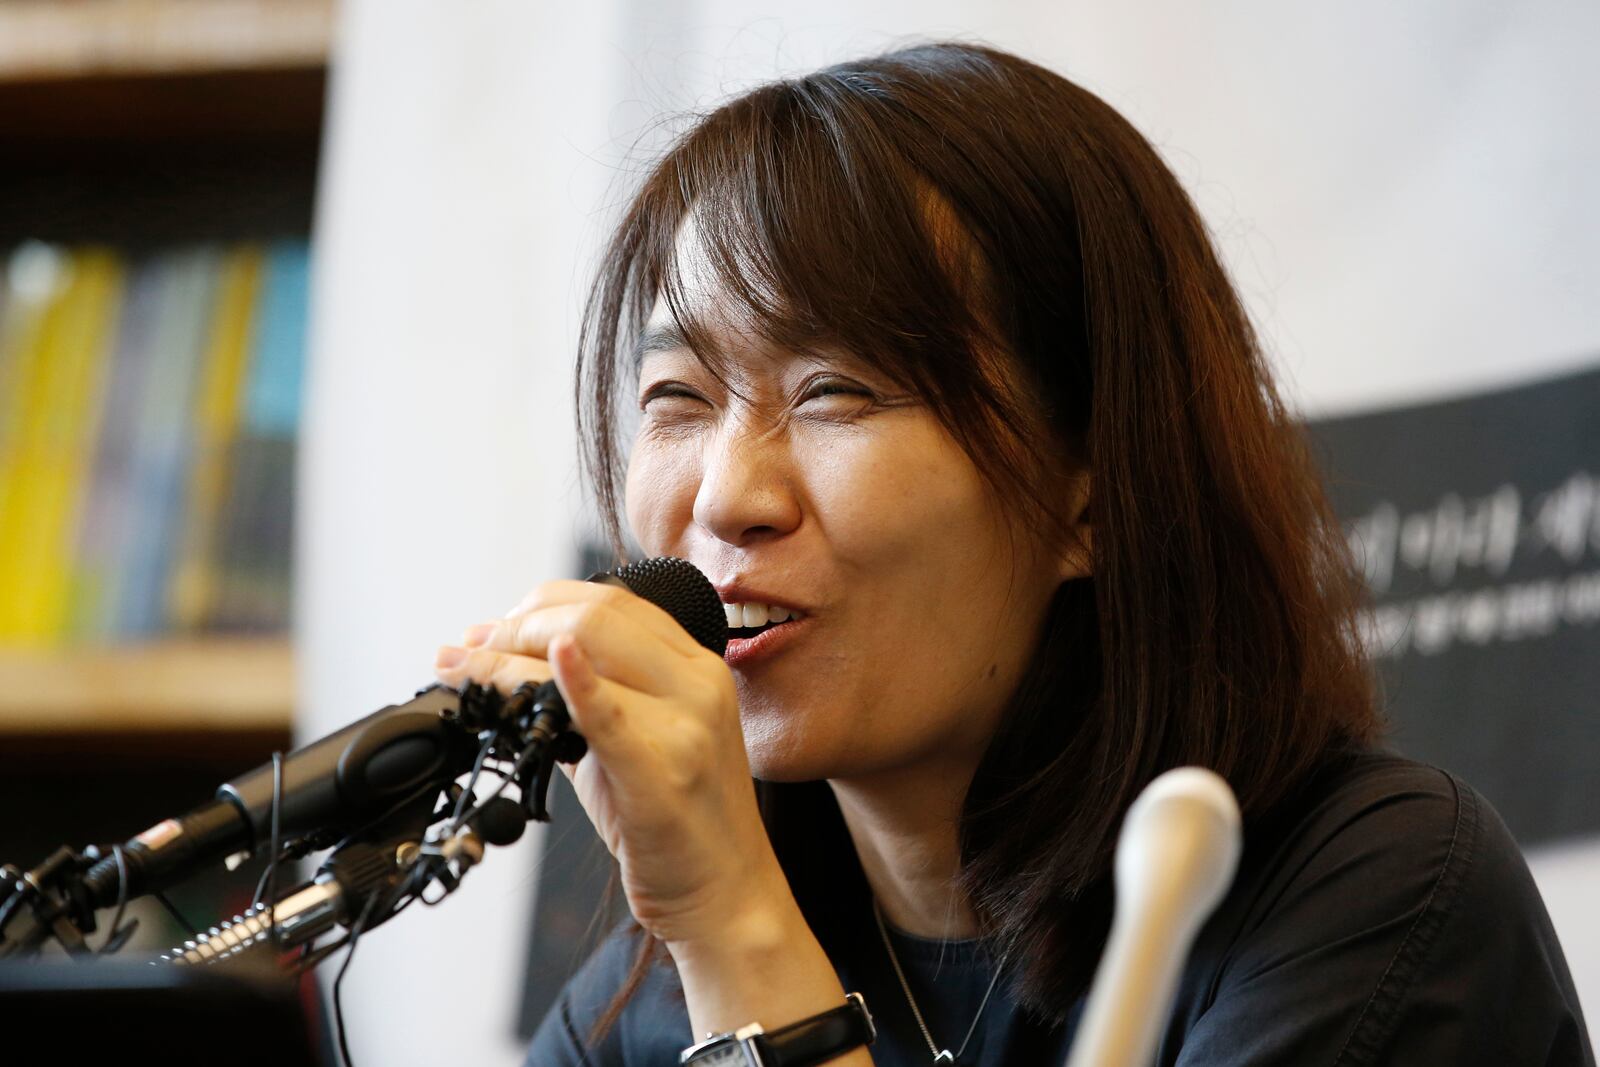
column 1176, row 858
column 366, row 768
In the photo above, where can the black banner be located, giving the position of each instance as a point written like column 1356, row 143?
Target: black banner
column 1477, row 523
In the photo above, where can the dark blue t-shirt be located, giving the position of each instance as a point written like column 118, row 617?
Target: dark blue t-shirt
column 1386, row 918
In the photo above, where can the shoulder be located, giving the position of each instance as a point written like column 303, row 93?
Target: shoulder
column 1371, row 816
column 653, row 1026
column 1385, row 899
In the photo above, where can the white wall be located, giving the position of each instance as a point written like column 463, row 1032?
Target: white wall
column 1404, row 191
column 437, row 462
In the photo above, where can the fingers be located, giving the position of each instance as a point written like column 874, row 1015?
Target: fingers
column 628, row 729
column 595, row 704
column 648, row 615
column 621, row 645
column 591, row 701
column 455, row 666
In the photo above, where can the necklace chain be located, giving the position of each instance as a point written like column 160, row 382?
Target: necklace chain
column 940, row 1056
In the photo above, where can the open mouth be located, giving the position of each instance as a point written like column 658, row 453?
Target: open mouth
column 736, row 633
column 750, row 620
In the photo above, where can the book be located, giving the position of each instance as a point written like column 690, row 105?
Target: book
column 35, row 274
column 51, row 442
column 161, row 447
column 149, row 406
column 105, row 525
column 253, row 588
column 215, row 422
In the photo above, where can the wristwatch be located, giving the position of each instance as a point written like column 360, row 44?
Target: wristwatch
column 809, row 1041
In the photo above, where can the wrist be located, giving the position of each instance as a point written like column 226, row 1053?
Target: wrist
column 820, row 1038
column 761, row 963
column 762, row 923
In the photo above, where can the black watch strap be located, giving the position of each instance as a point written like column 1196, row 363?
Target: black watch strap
column 820, row 1038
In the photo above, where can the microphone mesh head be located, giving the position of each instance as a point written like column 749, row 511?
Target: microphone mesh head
column 678, row 588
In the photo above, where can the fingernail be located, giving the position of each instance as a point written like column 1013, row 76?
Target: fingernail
column 450, row 656
column 577, row 661
column 477, row 635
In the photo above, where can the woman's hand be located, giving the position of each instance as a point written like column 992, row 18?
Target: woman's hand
column 666, row 781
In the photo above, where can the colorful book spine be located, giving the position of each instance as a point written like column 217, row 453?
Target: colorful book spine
column 148, row 410
column 216, row 423
column 55, row 445
column 254, row 588
column 111, row 503
column 34, row 277
column 161, row 451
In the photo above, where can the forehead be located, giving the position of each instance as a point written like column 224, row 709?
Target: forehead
column 733, row 355
column 703, row 315
column 736, row 282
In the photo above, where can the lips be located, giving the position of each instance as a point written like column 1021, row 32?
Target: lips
column 760, row 623
column 764, row 644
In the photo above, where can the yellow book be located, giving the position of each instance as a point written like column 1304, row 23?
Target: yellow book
column 57, row 447
column 36, row 276
column 218, row 402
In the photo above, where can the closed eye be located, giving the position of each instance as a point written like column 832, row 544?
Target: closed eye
column 826, row 387
column 668, row 391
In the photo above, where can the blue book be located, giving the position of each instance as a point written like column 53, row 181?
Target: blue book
column 255, row 580
column 161, row 451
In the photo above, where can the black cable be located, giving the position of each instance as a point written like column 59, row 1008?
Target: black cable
column 122, row 899
column 426, row 787
column 273, row 853
column 472, row 781
column 175, row 913
column 261, row 885
column 338, row 1007
column 506, row 779
column 316, row 956
column 406, row 894
column 287, row 853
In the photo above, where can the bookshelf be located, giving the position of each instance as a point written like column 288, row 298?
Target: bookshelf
column 86, row 38
column 143, row 125
column 183, row 685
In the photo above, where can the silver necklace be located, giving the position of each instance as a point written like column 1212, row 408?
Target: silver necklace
column 940, row 1055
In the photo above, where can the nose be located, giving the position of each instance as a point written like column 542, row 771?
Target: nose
column 747, row 492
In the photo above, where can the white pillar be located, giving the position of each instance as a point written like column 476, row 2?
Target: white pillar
column 465, row 164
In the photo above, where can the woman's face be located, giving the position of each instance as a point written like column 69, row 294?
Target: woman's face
column 811, row 484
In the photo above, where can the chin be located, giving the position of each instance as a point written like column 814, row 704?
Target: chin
column 784, row 747
column 777, row 756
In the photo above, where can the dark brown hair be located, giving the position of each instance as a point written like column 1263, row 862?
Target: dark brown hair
column 925, row 210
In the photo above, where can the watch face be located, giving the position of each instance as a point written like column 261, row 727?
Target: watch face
column 729, row 1055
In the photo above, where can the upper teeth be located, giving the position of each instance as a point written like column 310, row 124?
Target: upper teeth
column 748, row 616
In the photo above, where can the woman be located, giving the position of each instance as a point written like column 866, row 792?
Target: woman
column 938, row 378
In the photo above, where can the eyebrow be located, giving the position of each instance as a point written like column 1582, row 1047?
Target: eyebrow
column 664, row 337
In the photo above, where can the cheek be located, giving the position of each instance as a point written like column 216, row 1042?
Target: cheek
column 658, row 494
column 900, row 499
column 940, row 600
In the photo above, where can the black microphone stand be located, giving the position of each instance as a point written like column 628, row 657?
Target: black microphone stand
column 380, row 793
column 376, row 868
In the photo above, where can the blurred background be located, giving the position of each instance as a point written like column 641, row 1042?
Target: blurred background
column 289, row 292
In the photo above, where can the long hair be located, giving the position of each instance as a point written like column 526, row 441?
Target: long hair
column 1003, row 244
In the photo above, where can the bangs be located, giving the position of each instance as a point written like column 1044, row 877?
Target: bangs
column 810, row 230
column 820, row 218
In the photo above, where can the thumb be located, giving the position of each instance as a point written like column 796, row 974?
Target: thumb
column 591, row 700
